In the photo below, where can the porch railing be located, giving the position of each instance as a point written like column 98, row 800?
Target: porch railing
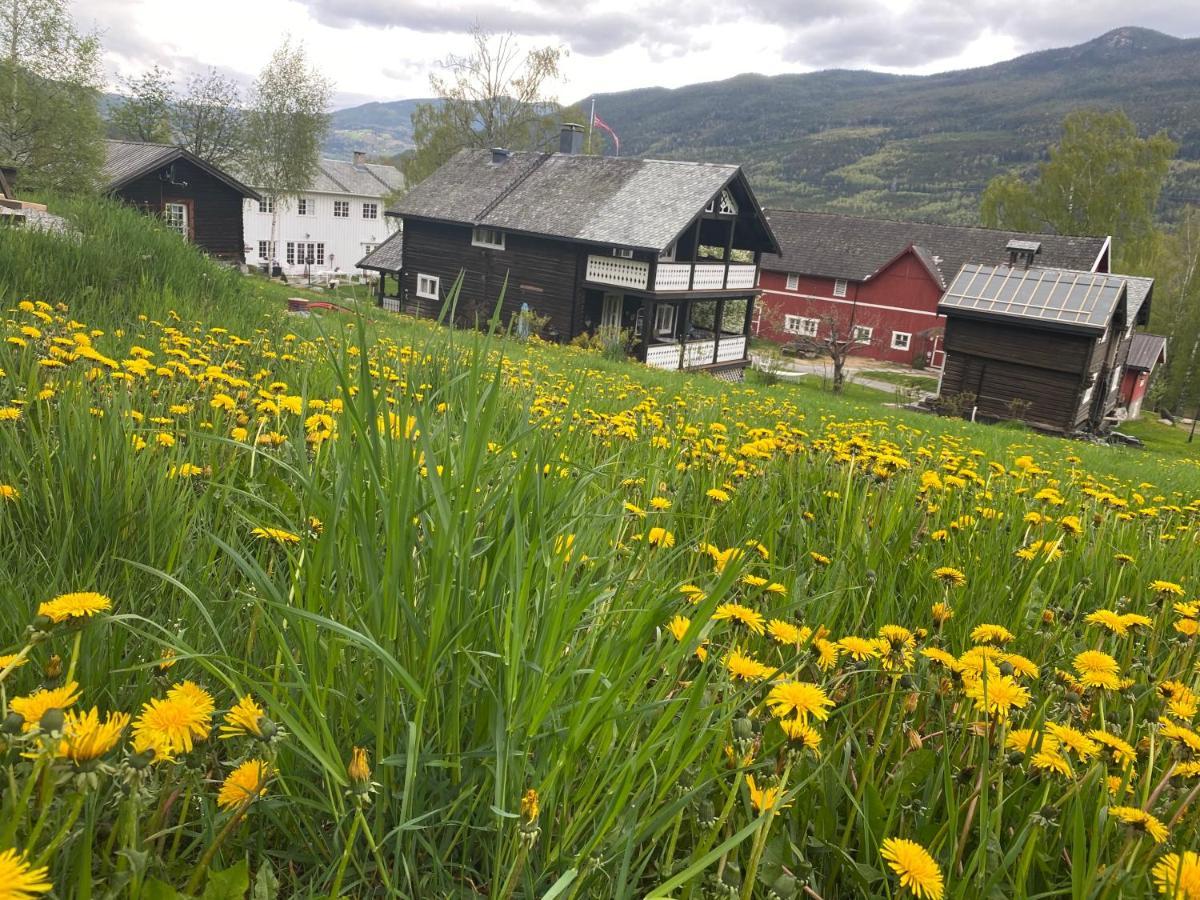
column 635, row 274
column 693, row 354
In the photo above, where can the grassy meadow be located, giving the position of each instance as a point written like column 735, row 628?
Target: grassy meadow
column 355, row 606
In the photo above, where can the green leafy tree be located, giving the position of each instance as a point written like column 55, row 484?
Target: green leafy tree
column 207, row 118
column 1175, row 311
column 493, row 97
column 144, row 113
column 50, row 127
column 1101, row 178
column 285, row 124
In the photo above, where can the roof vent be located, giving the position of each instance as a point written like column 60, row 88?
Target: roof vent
column 570, row 139
column 1021, row 253
column 500, row 155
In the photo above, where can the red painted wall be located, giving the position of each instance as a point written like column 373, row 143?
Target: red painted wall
column 1133, row 386
column 901, row 297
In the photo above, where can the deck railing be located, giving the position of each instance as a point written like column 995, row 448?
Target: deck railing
column 668, row 277
column 692, row 354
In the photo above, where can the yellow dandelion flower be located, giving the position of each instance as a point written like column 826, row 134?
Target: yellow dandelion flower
column 1140, row 820
column 19, row 879
column 991, row 634
column 718, row 495
column 275, row 535
column 86, row 738
column 678, row 626
column 244, row 784
column 1050, row 761
column 246, row 718
column 79, row 605
column 744, row 667
column 32, row 707
column 918, row 871
column 1178, row 875
column 1166, row 587
column 997, row 695
column 786, row 633
column 799, row 697
column 763, row 798
column 950, row 576
column 800, row 732
column 660, row 537
column 752, row 619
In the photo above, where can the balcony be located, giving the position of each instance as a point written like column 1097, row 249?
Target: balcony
column 691, row 354
column 669, row 277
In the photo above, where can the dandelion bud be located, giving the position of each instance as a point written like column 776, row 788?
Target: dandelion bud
column 784, row 887
column 359, row 769
column 1006, row 669
column 41, row 624
column 139, row 761
column 12, row 723
column 52, row 721
column 266, row 729
column 1015, row 757
column 53, row 668
column 530, row 806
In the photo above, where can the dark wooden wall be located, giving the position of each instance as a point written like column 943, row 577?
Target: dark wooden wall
column 999, row 362
column 216, row 207
column 544, row 273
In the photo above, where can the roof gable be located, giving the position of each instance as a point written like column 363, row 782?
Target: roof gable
column 387, row 257
column 640, row 203
column 1146, row 351
column 831, row 245
column 127, row 161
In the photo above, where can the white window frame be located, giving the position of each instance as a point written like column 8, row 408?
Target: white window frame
column 793, row 281
column 370, row 210
column 862, row 334
column 265, row 251
column 368, row 249
column 341, row 209
column 840, row 286
column 488, row 238
column 611, row 308
column 266, row 204
column 622, row 253
column 907, row 338
column 428, row 286
column 175, row 217
column 304, row 206
column 801, row 325
column 664, row 320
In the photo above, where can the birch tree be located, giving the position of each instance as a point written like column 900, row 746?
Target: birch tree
column 207, row 119
column 144, row 113
column 285, row 124
column 50, row 127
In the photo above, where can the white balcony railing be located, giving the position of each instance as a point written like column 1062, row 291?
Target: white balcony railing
column 635, row 274
column 696, row 353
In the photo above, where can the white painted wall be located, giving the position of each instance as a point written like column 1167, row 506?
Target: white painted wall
column 346, row 240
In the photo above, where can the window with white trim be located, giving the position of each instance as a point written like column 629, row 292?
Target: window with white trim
column 304, row 206
column 491, row 238
column 901, row 340
column 862, row 334
column 622, row 253
column 341, row 209
column 265, row 250
column 370, row 210
column 305, row 253
column 839, row 287
column 175, row 215
column 801, row 325
column 266, row 204
column 664, row 320
column 427, row 286
column 793, row 281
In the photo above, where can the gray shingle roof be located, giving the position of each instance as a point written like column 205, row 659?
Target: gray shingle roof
column 1145, row 350
column 830, row 245
column 337, row 176
column 387, row 257
column 640, row 203
column 126, row 161
column 1063, row 299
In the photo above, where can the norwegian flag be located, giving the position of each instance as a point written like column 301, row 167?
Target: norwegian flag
column 603, row 126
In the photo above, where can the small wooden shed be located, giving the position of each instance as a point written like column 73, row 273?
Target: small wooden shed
column 1044, row 345
column 199, row 200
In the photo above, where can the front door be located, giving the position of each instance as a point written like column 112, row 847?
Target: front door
column 176, row 217
column 610, row 312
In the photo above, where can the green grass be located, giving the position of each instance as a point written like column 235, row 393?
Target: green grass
column 901, row 379
column 472, row 581
column 1165, row 440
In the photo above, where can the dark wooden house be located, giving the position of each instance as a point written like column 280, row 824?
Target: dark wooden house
column 1044, row 345
column 665, row 253
column 200, row 201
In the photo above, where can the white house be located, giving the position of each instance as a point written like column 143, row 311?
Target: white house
column 329, row 227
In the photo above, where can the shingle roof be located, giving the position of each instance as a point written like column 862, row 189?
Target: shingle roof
column 639, row 203
column 337, row 176
column 1145, row 350
column 1064, row 299
column 126, row 161
column 839, row 246
column 387, row 257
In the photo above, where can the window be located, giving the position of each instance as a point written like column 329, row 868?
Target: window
column 901, row 340
column 341, row 209
column 266, row 204
column 492, row 238
column 265, row 250
column 668, row 255
column 839, row 287
column 801, row 325
column 304, row 206
column 793, row 281
column 175, row 215
column 664, row 320
column 427, row 286
column 610, row 312
column 369, row 248
column 623, row 254
column 370, row 210
column 305, row 253
column 862, row 334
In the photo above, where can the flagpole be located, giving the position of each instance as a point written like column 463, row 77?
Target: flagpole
column 591, row 121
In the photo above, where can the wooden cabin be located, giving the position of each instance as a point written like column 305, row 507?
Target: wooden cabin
column 1146, row 353
column 1044, row 345
column 200, row 201
column 664, row 253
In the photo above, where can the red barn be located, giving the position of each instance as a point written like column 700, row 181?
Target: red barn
column 883, row 279
column 1146, row 351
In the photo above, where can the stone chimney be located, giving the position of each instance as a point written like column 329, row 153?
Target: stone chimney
column 570, row 139
column 360, row 157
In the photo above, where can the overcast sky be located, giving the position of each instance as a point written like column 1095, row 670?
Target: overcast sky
column 386, row 49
